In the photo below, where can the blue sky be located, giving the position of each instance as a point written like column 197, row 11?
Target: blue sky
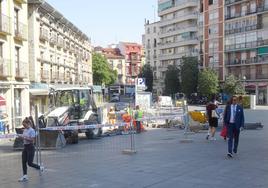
column 108, row 21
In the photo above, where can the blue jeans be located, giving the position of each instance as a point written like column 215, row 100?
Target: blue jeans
column 233, row 134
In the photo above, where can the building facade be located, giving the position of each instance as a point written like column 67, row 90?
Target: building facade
column 150, row 42
column 133, row 54
column 14, row 66
column 246, row 44
column 177, row 32
column 211, row 36
column 117, row 62
column 59, row 53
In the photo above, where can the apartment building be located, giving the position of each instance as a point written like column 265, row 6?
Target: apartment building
column 14, row 66
column 246, row 44
column 150, row 40
column 211, row 35
column 132, row 53
column 117, row 62
column 177, row 32
column 59, row 53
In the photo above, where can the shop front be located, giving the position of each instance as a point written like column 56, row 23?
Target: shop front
column 260, row 90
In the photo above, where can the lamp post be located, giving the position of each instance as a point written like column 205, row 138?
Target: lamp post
column 244, row 82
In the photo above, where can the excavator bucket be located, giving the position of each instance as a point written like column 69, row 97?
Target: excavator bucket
column 51, row 139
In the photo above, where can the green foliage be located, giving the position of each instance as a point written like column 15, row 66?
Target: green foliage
column 102, row 72
column 189, row 75
column 208, row 83
column 172, row 80
column 233, row 86
column 147, row 73
column 246, row 101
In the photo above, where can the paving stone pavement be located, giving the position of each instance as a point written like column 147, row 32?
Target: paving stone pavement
column 161, row 161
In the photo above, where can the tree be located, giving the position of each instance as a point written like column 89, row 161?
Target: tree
column 233, row 86
column 147, row 73
column 189, row 75
column 172, row 80
column 102, row 72
column 208, row 83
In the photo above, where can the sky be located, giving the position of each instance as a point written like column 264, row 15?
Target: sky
column 108, row 21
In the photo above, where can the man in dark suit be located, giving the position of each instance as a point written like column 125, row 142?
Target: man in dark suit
column 234, row 119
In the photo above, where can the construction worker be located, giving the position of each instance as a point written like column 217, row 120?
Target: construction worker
column 138, row 115
column 111, row 116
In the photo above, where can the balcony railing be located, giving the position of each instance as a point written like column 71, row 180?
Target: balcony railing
column 261, row 76
column 252, row 60
column 252, row 44
column 61, row 76
column 262, row 8
column 60, row 42
column 5, row 65
column 21, row 31
column 4, row 24
column 22, row 69
column 53, row 39
column 44, row 34
column 44, row 75
column 55, row 75
column 239, row 30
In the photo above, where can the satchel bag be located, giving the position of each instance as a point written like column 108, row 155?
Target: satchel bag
column 214, row 114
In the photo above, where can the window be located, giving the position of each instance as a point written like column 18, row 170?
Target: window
column 1, row 49
column 210, row 2
column 16, row 21
column 154, row 29
column 17, row 58
column 148, row 30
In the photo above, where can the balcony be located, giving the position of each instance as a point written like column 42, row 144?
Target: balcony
column 61, row 76
column 179, row 5
column 55, row 75
column 240, row 30
column 22, row 69
column 246, row 45
column 178, row 30
column 5, row 65
column 261, row 76
column 20, row 31
column 60, row 42
column 44, row 75
column 44, row 34
column 262, row 8
column 179, row 18
column 4, row 24
column 184, row 42
column 250, row 61
column 190, row 53
column 53, row 39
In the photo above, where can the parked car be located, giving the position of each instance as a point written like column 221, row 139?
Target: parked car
column 115, row 97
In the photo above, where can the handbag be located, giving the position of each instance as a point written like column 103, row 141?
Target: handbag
column 224, row 132
column 214, row 114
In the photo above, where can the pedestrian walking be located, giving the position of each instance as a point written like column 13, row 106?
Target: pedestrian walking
column 29, row 150
column 212, row 116
column 234, row 119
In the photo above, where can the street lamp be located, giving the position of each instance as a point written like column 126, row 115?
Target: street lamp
column 244, row 82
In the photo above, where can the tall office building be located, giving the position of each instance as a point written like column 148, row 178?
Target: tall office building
column 177, row 32
column 246, row 44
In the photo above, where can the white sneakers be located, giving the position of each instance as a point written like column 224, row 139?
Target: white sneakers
column 42, row 168
column 213, row 138
column 23, row 178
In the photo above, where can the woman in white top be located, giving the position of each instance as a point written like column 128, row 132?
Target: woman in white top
column 29, row 150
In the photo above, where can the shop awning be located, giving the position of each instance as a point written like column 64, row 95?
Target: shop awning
column 39, row 92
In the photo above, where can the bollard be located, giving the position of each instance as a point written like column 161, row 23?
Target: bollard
column 186, row 123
